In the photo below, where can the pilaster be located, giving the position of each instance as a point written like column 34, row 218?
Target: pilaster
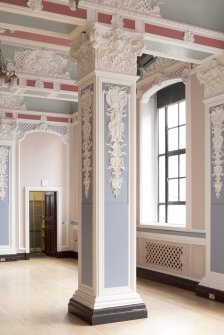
column 211, row 75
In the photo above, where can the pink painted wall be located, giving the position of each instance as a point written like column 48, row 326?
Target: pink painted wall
column 42, row 156
column 197, row 151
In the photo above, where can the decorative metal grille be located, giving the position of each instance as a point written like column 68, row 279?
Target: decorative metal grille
column 164, row 255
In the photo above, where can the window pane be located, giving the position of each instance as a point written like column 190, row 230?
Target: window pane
column 161, row 131
column 173, row 166
column 173, row 139
column 173, row 190
column 182, row 165
column 182, row 189
column 177, row 214
column 162, row 179
column 182, row 113
column 182, row 138
column 162, row 216
column 172, row 115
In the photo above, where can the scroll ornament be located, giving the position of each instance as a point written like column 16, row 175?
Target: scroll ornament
column 116, row 99
column 3, row 171
column 87, row 110
column 217, row 122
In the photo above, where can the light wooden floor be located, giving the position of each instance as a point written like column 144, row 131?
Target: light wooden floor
column 34, row 295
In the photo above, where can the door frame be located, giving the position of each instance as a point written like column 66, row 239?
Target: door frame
column 58, row 191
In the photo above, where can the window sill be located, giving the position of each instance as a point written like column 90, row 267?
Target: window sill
column 161, row 226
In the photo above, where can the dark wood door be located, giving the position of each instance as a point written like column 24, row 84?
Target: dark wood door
column 50, row 219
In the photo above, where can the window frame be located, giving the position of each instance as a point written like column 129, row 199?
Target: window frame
column 171, row 153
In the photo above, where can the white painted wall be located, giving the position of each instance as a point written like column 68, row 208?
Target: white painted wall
column 43, row 156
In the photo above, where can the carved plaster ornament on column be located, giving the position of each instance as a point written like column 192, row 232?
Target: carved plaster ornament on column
column 116, row 50
column 3, row 171
column 211, row 74
column 117, row 99
column 217, row 122
column 87, row 110
column 35, row 4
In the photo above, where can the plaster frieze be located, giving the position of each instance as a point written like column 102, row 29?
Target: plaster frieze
column 142, row 7
column 211, row 74
column 4, row 153
column 87, row 111
column 117, row 99
column 42, row 62
column 217, row 128
column 107, row 48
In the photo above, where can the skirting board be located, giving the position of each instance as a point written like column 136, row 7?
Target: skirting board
column 14, row 257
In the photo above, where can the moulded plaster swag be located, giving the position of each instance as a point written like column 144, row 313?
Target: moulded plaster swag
column 217, row 127
column 211, row 74
column 117, row 99
column 4, row 152
column 40, row 61
column 87, row 110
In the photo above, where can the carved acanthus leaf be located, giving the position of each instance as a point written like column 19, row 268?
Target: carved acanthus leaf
column 217, row 124
column 40, row 62
column 117, row 99
column 8, row 129
column 211, row 74
column 82, row 52
column 116, row 50
column 87, row 110
column 4, row 152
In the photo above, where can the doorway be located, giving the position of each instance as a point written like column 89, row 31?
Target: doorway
column 43, row 223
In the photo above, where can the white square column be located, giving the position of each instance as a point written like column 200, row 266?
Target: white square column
column 106, row 59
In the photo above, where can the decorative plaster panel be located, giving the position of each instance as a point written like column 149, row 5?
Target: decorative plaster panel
column 8, row 129
column 211, row 74
column 4, row 152
column 42, row 62
column 87, row 111
column 117, row 100
column 10, row 101
column 217, row 127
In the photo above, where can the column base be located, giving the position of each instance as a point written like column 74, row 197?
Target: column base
column 107, row 315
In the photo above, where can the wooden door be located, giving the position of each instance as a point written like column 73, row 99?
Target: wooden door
column 50, row 219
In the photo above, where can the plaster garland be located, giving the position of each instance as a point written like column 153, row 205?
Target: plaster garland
column 4, row 152
column 217, row 123
column 117, row 99
column 87, row 111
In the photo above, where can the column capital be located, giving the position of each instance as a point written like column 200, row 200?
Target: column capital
column 107, row 48
column 211, row 74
